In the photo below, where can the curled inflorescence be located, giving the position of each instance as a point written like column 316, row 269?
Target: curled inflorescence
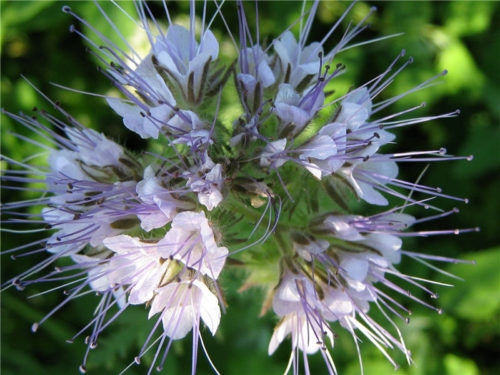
column 270, row 192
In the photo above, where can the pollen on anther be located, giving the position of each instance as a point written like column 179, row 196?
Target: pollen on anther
column 34, row 327
column 137, row 360
column 82, row 369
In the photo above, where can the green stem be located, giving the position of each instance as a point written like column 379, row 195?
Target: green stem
column 283, row 246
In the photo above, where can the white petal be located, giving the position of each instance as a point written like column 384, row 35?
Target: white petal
column 161, row 113
column 152, row 220
column 342, row 229
column 64, row 162
column 209, row 307
column 356, row 268
column 287, row 94
column 133, row 119
column 387, row 244
column 178, row 321
column 338, row 304
column 372, row 196
column 283, row 328
column 122, row 244
column 353, row 115
column 209, row 44
column 168, row 63
column 180, row 39
column 144, row 290
column 291, row 114
column 319, row 147
column 266, row 75
column 154, row 84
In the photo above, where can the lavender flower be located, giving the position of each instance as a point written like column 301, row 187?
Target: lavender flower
column 156, row 229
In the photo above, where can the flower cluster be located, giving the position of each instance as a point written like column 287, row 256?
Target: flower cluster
column 156, row 229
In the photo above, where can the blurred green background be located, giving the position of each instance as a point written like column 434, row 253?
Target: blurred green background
column 463, row 37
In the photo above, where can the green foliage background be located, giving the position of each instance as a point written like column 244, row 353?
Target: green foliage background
column 462, row 37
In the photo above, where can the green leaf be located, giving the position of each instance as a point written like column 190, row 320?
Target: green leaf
column 482, row 143
column 456, row 365
column 462, row 69
column 478, row 297
column 468, row 18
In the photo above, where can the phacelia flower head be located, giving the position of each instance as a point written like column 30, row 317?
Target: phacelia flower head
column 277, row 184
